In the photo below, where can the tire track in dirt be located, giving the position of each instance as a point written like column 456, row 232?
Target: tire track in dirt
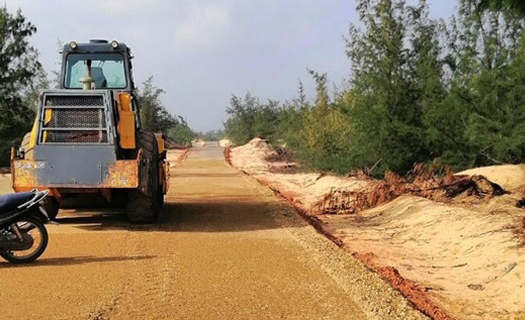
column 147, row 293
column 105, row 312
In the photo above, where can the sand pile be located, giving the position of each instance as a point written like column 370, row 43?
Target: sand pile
column 251, row 156
column 225, row 143
column 175, row 157
column 198, row 143
column 469, row 260
column 510, row 177
column 460, row 244
column 420, row 182
column 255, row 158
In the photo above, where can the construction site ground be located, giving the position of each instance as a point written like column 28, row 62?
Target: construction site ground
column 460, row 258
column 224, row 247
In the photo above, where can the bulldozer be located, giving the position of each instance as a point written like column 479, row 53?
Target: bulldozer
column 87, row 137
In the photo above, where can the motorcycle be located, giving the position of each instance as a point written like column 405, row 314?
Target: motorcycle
column 23, row 236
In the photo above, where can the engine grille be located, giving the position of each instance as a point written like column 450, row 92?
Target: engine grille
column 77, row 118
column 86, row 101
column 74, row 119
column 76, row 137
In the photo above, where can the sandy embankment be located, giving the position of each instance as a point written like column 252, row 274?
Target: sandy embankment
column 468, row 259
column 176, row 156
column 225, row 143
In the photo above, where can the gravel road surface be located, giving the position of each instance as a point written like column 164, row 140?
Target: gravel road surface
column 224, row 248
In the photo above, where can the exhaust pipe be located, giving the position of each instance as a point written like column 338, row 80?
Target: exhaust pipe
column 87, row 81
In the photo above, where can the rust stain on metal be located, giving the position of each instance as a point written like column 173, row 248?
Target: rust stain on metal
column 122, row 174
column 23, row 173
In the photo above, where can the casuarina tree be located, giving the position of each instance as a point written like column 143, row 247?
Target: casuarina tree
column 19, row 71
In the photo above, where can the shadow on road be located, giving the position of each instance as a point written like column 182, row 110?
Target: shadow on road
column 217, row 215
column 66, row 261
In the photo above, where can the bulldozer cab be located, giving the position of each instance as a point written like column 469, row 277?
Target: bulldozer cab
column 108, row 65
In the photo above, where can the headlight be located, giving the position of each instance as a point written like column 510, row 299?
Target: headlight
column 114, row 44
column 73, row 45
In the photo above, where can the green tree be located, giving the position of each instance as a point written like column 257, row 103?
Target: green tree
column 154, row 116
column 211, row 135
column 516, row 6
column 19, row 68
column 240, row 125
column 324, row 139
column 387, row 120
column 486, row 86
column 421, row 90
column 181, row 133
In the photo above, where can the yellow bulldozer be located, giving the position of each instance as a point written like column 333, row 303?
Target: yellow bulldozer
column 87, row 136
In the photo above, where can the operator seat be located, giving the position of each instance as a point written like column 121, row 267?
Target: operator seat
column 98, row 77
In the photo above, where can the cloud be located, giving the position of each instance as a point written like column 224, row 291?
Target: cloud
column 122, row 8
column 202, row 51
column 203, row 22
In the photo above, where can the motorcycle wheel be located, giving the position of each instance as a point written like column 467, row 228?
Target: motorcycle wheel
column 38, row 232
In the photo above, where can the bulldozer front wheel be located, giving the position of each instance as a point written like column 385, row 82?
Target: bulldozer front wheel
column 160, row 195
column 143, row 205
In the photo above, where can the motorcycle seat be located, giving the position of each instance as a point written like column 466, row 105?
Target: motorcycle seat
column 12, row 201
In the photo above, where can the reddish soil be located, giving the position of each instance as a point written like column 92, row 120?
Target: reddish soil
column 414, row 293
column 228, row 155
column 419, row 182
column 182, row 157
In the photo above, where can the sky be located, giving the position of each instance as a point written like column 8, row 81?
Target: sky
column 203, row 51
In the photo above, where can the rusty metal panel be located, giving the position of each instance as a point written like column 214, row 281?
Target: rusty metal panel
column 122, row 174
column 24, row 173
column 119, row 174
column 72, row 165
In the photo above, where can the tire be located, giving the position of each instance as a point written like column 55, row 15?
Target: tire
column 160, row 194
column 9, row 256
column 143, row 208
column 25, row 145
column 52, row 206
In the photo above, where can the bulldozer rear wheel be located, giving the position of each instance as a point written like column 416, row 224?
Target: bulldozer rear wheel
column 143, row 207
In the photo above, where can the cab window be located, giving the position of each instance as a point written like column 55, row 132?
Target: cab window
column 107, row 70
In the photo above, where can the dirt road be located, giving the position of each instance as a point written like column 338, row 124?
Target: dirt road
column 224, row 248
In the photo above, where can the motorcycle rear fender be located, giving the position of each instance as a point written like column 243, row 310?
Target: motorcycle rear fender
column 39, row 213
column 36, row 212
